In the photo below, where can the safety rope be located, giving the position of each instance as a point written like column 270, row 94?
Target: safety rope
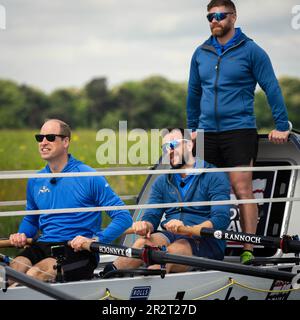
column 23, row 202
column 109, row 295
column 17, row 175
column 263, row 290
column 216, row 291
column 148, row 206
column 237, row 283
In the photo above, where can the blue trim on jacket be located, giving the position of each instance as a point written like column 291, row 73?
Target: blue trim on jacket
column 222, row 88
column 205, row 187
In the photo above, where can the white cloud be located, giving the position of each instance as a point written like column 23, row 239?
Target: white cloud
column 66, row 43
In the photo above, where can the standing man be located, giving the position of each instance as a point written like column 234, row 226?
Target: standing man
column 224, row 72
column 172, row 188
column 57, row 229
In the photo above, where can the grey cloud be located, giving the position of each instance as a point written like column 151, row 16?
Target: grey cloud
column 63, row 42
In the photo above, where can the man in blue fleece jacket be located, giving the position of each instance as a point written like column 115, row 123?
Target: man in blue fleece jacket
column 174, row 188
column 224, row 73
column 59, row 193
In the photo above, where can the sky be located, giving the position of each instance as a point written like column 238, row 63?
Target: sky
column 65, row 43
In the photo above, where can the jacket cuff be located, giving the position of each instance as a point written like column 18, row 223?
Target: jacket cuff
column 284, row 126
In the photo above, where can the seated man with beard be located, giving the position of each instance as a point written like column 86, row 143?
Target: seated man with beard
column 172, row 188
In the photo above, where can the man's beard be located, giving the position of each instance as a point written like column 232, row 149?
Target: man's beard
column 178, row 165
column 221, row 31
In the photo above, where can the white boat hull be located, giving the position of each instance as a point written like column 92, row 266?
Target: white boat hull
column 206, row 285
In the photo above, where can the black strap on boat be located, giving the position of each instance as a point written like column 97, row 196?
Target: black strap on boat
column 132, row 272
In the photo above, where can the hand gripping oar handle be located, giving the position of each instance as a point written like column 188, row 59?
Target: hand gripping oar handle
column 286, row 243
column 6, row 243
column 187, row 230
column 129, row 231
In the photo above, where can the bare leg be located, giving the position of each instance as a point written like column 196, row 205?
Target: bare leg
column 43, row 270
column 156, row 239
column 242, row 187
column 180, row 247
column 20, row 264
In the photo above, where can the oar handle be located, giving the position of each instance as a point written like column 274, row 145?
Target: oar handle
column 85, row 246
column 6, row 243
column 190, row 230
column 187, row 230
column 129, row 231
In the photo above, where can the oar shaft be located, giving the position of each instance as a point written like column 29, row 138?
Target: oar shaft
column 285, row 243
column 161, row 257
column 6, row 243
column 188, row 230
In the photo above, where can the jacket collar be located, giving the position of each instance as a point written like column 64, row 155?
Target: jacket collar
column 240, row 38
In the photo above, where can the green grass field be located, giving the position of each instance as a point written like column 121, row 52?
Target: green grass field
column 19, row 151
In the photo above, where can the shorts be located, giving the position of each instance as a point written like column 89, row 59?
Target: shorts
column 201, row 247
column 76, row 265
column 231, row 148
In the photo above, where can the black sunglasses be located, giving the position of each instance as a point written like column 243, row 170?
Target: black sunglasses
column 50, row 137
column 219, row 16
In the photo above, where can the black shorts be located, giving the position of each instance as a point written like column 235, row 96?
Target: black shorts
column 201, row 247
column 231, row 148
column 76, row 265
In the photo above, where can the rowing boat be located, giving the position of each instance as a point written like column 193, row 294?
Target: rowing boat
column 272, row 275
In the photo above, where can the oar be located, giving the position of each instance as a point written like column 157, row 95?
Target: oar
column 152, row 256
column 286, row 243
column 6, row 243
column 187, row 230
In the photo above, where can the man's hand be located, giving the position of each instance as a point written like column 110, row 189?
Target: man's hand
column 279, row 137
column 18, row 240
column 78, row 241
column 142, row 228
column 194, row 135
column 173, row 225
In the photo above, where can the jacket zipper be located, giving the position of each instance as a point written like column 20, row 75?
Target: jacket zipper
column 179, row 197
column 216, row 93
column 180, row 209
column 217, row 78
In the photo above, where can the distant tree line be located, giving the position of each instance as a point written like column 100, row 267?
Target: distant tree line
column 154, row 102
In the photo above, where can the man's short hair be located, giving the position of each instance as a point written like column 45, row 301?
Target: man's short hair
column 186, row 134
column 65, row 129
column 218, row 3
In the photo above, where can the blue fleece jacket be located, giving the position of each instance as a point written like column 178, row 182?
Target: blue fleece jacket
column 222, row 87
column 204, row 187
column 72, row 192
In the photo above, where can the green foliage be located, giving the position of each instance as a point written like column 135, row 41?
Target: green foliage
column 291, row 92
column 11, row 105
column 154, row 102
column 69, row 105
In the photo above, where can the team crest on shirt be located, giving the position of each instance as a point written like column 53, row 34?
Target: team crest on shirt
column 44, row 189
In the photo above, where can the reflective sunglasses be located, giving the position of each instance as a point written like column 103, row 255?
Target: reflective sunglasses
column 219, row 16
column 50, row 137
column 171, row 145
